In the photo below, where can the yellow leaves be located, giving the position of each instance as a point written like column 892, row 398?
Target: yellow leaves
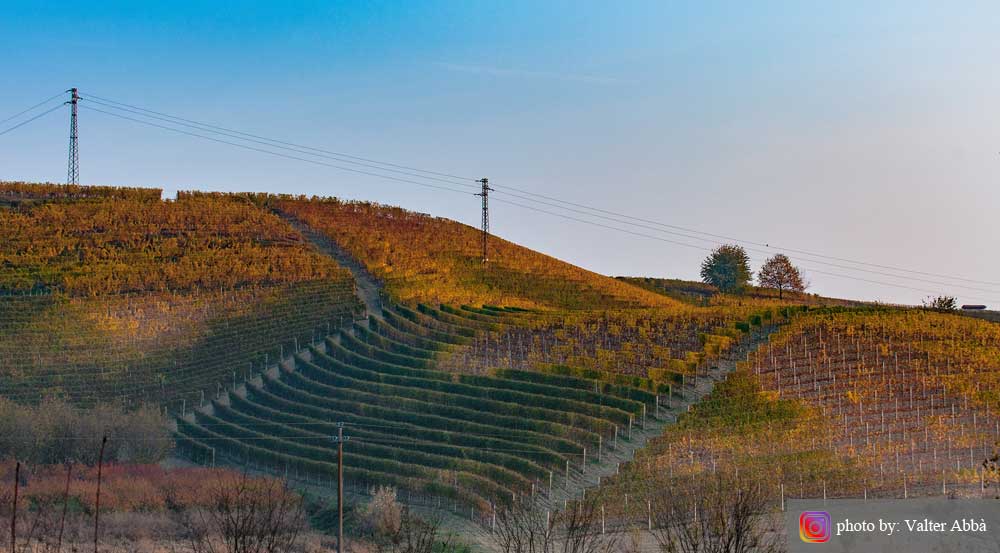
column 420, row 244
column 131, row 243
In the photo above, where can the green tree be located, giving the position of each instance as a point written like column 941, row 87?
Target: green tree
column 941, row 303
column 727, row 268
column 778, row 272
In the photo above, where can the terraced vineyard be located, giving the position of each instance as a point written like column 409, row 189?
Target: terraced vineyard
column 477, row 439
column 840, row 403
column 175, row 346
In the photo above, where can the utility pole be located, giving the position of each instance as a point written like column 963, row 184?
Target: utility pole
column 339, row 439
column 486, row 213
column 73, row 173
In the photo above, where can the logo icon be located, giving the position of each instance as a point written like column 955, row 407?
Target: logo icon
column 814, row 526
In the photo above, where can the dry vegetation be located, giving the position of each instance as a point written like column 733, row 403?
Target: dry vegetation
column 144, row 508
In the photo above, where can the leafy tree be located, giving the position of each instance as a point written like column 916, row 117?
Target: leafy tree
column 778, row 272
column 941, row 303
column 727, row 268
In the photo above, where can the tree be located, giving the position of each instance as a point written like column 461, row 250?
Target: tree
column 246, row 515
column 778, row 272
column 727, row 268
column 719, row 513
column 526, row 526
column 941, row 303
column 392, row 528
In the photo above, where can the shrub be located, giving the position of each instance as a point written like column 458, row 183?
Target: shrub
column 55, row 431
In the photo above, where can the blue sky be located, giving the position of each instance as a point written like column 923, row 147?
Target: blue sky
column 860, row 130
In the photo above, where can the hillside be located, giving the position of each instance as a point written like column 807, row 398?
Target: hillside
column 111, row 293
column 869, row 402
column 468, row 383
column 699, row 293
column 436, row 260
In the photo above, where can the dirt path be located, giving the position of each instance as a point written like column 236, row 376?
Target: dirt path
column 613, row 455
column 682, row 400
column 367, row 286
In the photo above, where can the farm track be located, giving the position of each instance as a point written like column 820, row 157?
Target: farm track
column 297, row 374
column 367, row 286
column 681, row 401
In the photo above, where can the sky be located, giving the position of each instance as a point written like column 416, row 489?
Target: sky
column 860, row 131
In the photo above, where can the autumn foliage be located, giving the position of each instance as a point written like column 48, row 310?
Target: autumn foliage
column 109, row 293
column 424, row 258
column 109, row 245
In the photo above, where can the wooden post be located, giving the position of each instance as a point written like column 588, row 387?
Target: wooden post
column 13, row 515
column 340, row 439
column 62, row 522
column 97, row 501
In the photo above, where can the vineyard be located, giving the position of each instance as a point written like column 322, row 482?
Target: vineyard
column 112, row 245
column 912, row 394
column 434, row 260
column 842, row 403
column 630, row 342
column 111, row 294
column 477, row 439
column 241, row 315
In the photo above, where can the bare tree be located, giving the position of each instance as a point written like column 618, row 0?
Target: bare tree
column 247, row 515
column 415, row 535
column 718, row 513
column 527, row 527
column 392, row 528
column 778, row 272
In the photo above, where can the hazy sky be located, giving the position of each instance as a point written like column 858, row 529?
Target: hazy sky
column 867, row 131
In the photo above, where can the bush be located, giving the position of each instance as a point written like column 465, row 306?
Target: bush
column 55, row 431
column 941, row 303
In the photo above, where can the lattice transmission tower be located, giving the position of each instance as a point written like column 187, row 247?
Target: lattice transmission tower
column 486, row 214
column 73, row 171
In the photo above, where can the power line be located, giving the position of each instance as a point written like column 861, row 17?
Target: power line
column 744, row 241
column 466, row 181
column 765, row 252
column 278, row 154
column 561, row 204
column 267, row 142
column 23, row 123
column 369, row 160
column 39, row 104
column 661, row 239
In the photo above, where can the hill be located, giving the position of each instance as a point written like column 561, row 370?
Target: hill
column 436, row 260
column 699, row 293
column 461, row 381
column 112, row 293
column 844, row 402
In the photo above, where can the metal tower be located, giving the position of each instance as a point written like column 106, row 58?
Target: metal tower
column 486, row 213
column 73, row 173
